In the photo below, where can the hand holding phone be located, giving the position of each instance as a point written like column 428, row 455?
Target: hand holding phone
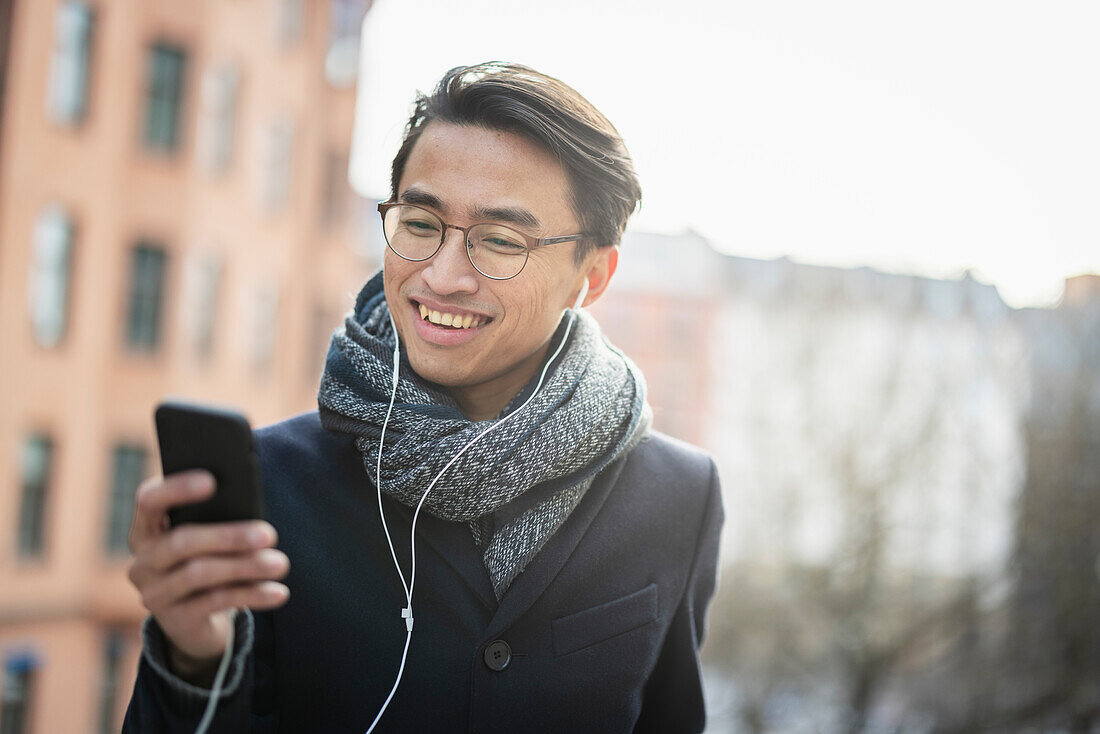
column 214, row 553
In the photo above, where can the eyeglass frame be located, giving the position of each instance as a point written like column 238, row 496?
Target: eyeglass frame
column 531, row 242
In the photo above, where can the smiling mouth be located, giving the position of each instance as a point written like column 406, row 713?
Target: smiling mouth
column 449, row 320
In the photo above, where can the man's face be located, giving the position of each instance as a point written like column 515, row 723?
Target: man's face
column 466, row 175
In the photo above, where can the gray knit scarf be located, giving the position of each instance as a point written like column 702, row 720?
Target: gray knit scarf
column 517, row 485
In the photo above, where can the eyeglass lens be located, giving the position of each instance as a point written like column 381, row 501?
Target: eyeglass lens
column 416, row 234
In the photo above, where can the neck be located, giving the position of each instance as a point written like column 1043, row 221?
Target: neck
column 485, row 400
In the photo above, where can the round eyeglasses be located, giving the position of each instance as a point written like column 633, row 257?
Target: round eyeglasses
column 495, row 250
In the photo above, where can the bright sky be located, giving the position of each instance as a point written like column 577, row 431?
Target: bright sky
column 926, row 137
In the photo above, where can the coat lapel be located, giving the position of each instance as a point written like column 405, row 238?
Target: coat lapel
column 453, row 544
column 541, row 571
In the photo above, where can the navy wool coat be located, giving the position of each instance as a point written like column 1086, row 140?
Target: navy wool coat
column 600, row 633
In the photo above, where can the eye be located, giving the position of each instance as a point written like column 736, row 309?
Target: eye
column 500, row 243
column 500, row 240
column 420, row 225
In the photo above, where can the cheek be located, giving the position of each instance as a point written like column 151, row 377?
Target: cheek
column 390, row 274
column 396, row 273
column 547, row 284
column 533, row 314
column 395, row 269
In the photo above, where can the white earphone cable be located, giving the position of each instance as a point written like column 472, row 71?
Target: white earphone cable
column 386, row 527
column 219, row 677
column 381, row 441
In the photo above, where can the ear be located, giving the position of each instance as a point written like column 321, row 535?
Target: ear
column 598, row 270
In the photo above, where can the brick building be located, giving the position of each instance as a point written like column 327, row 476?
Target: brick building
column 175, row 220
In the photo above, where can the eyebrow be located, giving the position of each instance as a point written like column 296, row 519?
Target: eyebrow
column 422, row 198
column 507, row 215
column 504, row 214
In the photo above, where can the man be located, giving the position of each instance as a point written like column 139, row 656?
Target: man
column 484, row 536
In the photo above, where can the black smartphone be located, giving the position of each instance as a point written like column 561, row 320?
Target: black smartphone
column 220, row 441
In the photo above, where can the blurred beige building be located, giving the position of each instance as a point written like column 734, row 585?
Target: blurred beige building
column 175, row 220
column 662, row 310
column 823, row 392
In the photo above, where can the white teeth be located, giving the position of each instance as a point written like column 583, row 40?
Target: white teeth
column 469, row 321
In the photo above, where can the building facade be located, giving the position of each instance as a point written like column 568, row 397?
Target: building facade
column 175, row 219
column 825, row 392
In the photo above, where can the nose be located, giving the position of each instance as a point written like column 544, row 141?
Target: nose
column 449, row 270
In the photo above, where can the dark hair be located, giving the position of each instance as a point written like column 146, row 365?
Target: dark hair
column 517, row 99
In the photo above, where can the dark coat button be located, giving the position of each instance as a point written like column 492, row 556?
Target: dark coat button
column 498, row 655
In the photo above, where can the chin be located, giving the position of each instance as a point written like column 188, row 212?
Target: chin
column 440, row 374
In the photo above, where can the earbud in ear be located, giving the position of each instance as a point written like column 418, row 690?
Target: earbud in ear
column 581, row 295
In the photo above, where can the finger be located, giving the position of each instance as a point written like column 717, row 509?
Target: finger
column 201, row 574
column 156, row 495
column 198, row 575
column 175, row 489
column 259, row 595
column 199, row 539
column 158, row 555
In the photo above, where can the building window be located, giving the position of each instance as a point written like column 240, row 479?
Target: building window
column 70, row 60
column 346, row 18
column 336, row 190
column 345, row 27
column 164, row 96
column 263, row 326
column 127, row 471
column 286, row 22
column 49, row 277
column 15, row 698
column 146, row 296
column 203, row 284
column 218, row 117
column 277, row 145
column 108, row 690
column 37, row 465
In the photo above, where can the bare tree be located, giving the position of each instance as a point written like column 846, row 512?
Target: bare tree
column 878, row 395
